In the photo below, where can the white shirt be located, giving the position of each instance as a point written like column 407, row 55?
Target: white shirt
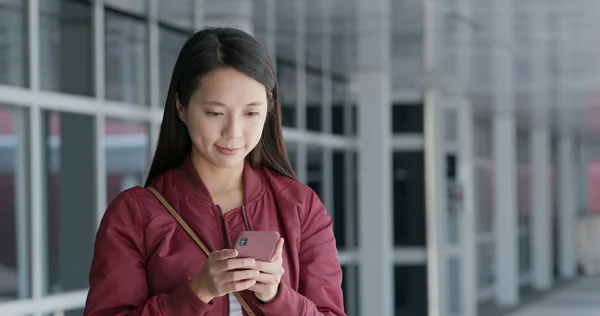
column 235, row 308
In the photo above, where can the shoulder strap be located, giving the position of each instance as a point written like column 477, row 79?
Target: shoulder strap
column 180, row 220
column 199, row 242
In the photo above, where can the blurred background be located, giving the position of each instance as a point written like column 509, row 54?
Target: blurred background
column 453, row 142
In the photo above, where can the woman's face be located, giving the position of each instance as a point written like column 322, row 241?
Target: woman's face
column 225, row 117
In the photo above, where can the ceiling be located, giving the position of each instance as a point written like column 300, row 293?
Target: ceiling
column 552, row 46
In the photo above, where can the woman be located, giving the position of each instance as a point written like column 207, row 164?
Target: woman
column 221, row 163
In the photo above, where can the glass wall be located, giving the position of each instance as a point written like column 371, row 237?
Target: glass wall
column 14, row 48
column 66, row 47
column 86, row 148
column 70, row 197
column 15, row 228
column 127, row 148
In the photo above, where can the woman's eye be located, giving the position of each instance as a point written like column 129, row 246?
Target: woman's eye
column 211, row 113
column 253, row 113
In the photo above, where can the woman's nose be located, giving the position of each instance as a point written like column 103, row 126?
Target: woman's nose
column 233, row 128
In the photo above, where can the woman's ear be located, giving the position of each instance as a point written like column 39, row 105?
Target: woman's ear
column 180, row 109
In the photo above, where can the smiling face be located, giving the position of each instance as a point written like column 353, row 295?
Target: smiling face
column 225, row 117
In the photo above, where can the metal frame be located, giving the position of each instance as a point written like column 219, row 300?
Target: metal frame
column 98, row 35
column 21, row 205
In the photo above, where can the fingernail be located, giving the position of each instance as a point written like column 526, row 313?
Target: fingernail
column 251, row 261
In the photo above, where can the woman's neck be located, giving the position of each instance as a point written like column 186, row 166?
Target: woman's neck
column 218, row 180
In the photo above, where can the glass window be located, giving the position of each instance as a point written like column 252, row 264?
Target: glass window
column 127, row 155
column 338, row 107
column 314, row 34
column 524, row 255
column 126, row 58
column 14, row 206
column 354, row 165
column 483, row 139
column 63, row 312
column 350, row 289
column 339, row 197
column 259, row 22
column 315, row 171
column 354, row 120
column 314, row 108
column 137, row 7
column 343, row 190
column 410, row 290
column 287, row 29
column 66, row 54
column 407, row 118
column 286, row 77
column 179, row 13
column 14, row 52
column 484, row 197
column 292, row 151
column 485, row 265
column 339, row 49
column 171, row 42
column 69, row 149
column 454, row 205
column 409, row 199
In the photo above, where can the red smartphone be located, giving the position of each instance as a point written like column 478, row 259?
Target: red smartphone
column 259, row 245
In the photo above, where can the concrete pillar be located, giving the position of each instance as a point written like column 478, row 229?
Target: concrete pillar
column 504, row 151
column 541, row 219
column 567, row 204
column 466, row 169
column 505, row 211
column 374, row 167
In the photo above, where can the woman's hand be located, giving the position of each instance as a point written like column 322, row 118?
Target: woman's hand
column 267, row 282
column 224, row 273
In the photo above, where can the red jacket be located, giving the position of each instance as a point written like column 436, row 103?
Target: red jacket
column 143, row 260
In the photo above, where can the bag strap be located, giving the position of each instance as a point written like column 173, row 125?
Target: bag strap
column 199, row 242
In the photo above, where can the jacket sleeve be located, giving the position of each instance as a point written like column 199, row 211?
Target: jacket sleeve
column 320, row 290
column 117, row 277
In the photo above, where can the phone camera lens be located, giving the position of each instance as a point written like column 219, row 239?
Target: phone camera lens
column 243, row 241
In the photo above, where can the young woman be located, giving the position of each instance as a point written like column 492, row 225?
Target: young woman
column 221, row 164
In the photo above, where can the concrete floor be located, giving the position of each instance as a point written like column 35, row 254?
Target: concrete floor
column 581, row 298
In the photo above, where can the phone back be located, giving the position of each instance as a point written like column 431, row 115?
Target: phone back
column 259, row 245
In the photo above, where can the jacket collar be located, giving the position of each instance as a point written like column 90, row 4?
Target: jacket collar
column 190, row 181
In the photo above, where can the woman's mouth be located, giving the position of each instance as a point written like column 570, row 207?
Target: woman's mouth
column 228, row 151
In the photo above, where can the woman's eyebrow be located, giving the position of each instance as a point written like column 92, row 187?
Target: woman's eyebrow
column 217, row 103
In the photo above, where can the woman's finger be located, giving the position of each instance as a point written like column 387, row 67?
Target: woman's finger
column 278, row 251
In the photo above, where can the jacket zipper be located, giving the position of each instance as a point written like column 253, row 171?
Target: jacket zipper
column 227, row 239
column 226, row 245
column 224, row 227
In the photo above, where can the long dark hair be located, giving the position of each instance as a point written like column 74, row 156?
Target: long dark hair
column 208, row 50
